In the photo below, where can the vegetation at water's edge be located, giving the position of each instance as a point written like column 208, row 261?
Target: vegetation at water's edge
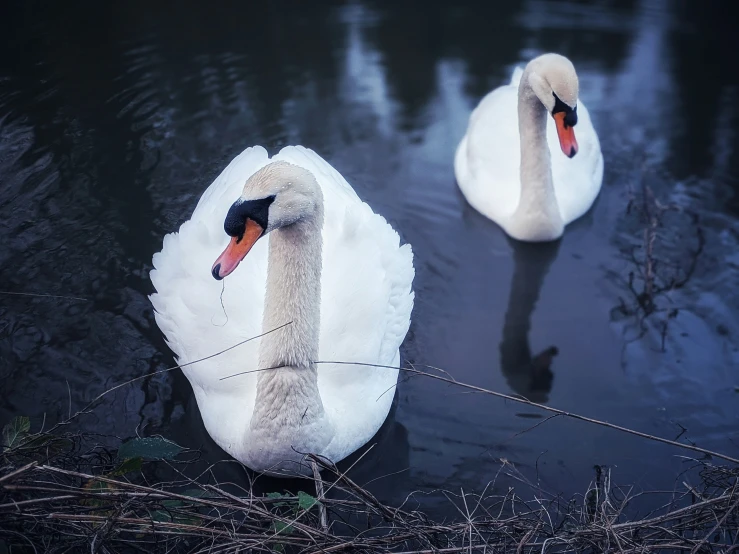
column 63, row 492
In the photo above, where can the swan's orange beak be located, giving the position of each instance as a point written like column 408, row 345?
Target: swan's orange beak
column 566, row 134
column 237, row 250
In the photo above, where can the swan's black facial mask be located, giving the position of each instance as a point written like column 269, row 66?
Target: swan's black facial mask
column 565, row 119
column 243, row 210
column 245, row 223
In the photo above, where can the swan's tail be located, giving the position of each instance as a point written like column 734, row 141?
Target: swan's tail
column 516, row 77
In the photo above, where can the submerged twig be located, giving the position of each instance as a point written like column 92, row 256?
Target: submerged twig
column 39, row 295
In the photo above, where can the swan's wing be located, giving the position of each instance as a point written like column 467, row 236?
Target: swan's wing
column 196, row 319
column 366, row 305
column 487, row 165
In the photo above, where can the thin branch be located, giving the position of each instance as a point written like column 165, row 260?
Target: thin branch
column 557, row 411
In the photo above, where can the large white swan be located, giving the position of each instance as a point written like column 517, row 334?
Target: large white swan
column 327, row 266
column 504, row 167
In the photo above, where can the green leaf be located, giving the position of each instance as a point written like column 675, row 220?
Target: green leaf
column 14, row 431
column 45, row 444
column 281, row 527
column 160, row 515
column 277, row 495
column 306, row 501
column 128, row 465
column 152, row 448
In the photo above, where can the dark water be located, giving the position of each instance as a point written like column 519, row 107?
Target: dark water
column 115, row 117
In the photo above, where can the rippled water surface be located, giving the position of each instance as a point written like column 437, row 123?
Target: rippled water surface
column 114, row 117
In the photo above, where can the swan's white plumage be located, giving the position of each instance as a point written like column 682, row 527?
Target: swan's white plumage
column 366, row 303
column 487, row 160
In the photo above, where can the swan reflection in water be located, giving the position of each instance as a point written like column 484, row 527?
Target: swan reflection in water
column 530, row 376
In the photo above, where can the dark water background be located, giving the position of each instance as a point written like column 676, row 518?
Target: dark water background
column 114, row 117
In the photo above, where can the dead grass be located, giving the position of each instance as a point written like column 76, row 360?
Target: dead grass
column 61, row 492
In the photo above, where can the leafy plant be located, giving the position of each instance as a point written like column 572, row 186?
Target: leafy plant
column 306, row 501
column 15, row 431
column 149, row 448
column 291, row 507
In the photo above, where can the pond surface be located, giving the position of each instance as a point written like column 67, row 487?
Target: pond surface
column 114, row 117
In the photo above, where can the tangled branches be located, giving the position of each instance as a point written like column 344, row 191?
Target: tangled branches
column 663, row 260
column 57, row 494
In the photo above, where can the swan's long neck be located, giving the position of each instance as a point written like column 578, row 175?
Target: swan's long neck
column 288, row 395
column 537, row 207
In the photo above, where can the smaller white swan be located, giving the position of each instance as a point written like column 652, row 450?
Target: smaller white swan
column 318, row 259
column 503, row 164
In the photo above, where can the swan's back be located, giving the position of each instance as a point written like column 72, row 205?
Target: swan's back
column 366, row 305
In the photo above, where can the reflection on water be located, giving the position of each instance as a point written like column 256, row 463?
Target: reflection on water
column 115, row 117
column 530, row 376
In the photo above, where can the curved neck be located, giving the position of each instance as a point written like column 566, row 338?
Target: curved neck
column 537, row 206
column 293, row 296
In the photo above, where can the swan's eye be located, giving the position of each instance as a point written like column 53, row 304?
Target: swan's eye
column 241, row 210
column 570, row 119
